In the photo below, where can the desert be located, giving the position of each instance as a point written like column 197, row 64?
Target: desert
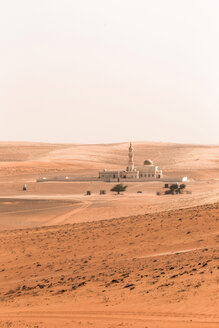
column 129, row 260
column 109, row 164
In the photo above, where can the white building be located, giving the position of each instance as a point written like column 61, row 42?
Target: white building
column 148, row 171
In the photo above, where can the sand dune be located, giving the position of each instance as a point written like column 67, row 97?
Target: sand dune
column 197, row 160
column 133, row 260
column 155, row 270
column 25, row 162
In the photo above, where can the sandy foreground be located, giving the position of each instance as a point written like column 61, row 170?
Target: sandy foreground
column 134, row 260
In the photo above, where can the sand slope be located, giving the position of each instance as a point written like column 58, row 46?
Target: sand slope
column 20, row 158
column 154, row 270
column 134, row 260
column 45, row 203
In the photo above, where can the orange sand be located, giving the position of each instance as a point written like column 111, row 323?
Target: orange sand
column 134, row 260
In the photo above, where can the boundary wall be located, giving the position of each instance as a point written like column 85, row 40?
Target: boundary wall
column 87, row 179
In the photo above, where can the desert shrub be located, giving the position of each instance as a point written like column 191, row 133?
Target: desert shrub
column 119, row 188
column 169, row 192
column 182, row 186
column 174, row 186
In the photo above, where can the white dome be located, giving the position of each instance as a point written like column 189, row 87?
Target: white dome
column 148, row 162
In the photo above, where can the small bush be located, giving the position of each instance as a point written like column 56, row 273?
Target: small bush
column 182, row 186
column 119, row 188
column 174, row 186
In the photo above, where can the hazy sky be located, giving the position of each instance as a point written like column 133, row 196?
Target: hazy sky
column 94, row 71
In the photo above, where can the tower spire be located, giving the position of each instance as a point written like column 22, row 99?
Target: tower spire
column 131, row 166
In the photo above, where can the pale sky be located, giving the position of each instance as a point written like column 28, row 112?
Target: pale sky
column 89, row 71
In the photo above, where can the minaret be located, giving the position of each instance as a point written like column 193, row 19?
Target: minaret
column 131, row 166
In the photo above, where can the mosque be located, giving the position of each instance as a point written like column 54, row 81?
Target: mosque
column 148, row 171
